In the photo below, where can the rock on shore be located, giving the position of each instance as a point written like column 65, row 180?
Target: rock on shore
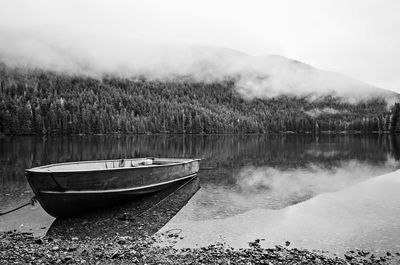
column 23, row 248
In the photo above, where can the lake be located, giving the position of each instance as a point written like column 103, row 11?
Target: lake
column 333, row 192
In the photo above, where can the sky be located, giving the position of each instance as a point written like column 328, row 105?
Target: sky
column 359, row 38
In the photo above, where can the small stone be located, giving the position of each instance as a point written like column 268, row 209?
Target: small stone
column 115, row 255
column 278, row 247
column 364, row 253
column 72, row 247
column 55, row 248
column 123, row 239
column 287, row 243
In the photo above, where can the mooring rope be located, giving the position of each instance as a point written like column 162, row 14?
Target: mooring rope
column 31, row 202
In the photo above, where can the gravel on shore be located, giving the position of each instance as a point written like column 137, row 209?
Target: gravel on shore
column 23, row 248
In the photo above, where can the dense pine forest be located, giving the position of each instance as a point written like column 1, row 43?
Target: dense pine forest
column 45, row 102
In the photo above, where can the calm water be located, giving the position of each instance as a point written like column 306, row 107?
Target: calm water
column 331, row 193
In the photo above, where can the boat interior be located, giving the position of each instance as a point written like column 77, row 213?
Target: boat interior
column 108, row 164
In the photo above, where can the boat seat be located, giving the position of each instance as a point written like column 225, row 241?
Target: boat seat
column 141, row 162
column 123, row 163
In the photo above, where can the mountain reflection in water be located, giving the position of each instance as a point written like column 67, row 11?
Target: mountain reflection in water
column 363, row 216
column 274, row 188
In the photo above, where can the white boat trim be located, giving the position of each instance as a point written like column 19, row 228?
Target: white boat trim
column 116, row 190
column 46, row 168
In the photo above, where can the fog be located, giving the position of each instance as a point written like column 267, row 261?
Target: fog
column 161, row 39
column 62, row 50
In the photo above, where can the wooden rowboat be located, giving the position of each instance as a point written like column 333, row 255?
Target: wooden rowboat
column 67, row 189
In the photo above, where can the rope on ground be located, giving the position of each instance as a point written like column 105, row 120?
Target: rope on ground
column 31, row 202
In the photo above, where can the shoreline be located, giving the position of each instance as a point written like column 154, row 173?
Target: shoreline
column 346, row 132
column 24, row 248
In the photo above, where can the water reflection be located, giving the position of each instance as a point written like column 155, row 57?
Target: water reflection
column 137, row 218
column 28, row 219
column 363, row 216
column 240, row 175
column 273, row 188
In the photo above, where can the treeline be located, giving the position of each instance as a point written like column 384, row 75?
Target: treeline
column 45, row 102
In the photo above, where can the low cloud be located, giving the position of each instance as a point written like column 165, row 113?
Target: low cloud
column 318, row 112
column 63, row 50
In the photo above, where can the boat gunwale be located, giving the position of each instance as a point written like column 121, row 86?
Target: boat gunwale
column 42, row 169
column 138, row 188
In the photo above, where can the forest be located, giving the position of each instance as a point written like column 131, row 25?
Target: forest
column 38, row 102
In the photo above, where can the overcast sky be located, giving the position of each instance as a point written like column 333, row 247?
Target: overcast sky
column 359, row 38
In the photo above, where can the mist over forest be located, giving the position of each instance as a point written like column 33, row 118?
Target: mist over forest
column 40, row 102
column 78, row 53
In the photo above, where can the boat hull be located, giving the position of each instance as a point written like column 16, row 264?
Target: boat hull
column 64, row 193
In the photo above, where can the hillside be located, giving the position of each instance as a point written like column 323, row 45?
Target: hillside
column 44, row 102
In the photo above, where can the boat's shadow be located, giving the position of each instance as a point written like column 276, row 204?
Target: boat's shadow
column 139, row 218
